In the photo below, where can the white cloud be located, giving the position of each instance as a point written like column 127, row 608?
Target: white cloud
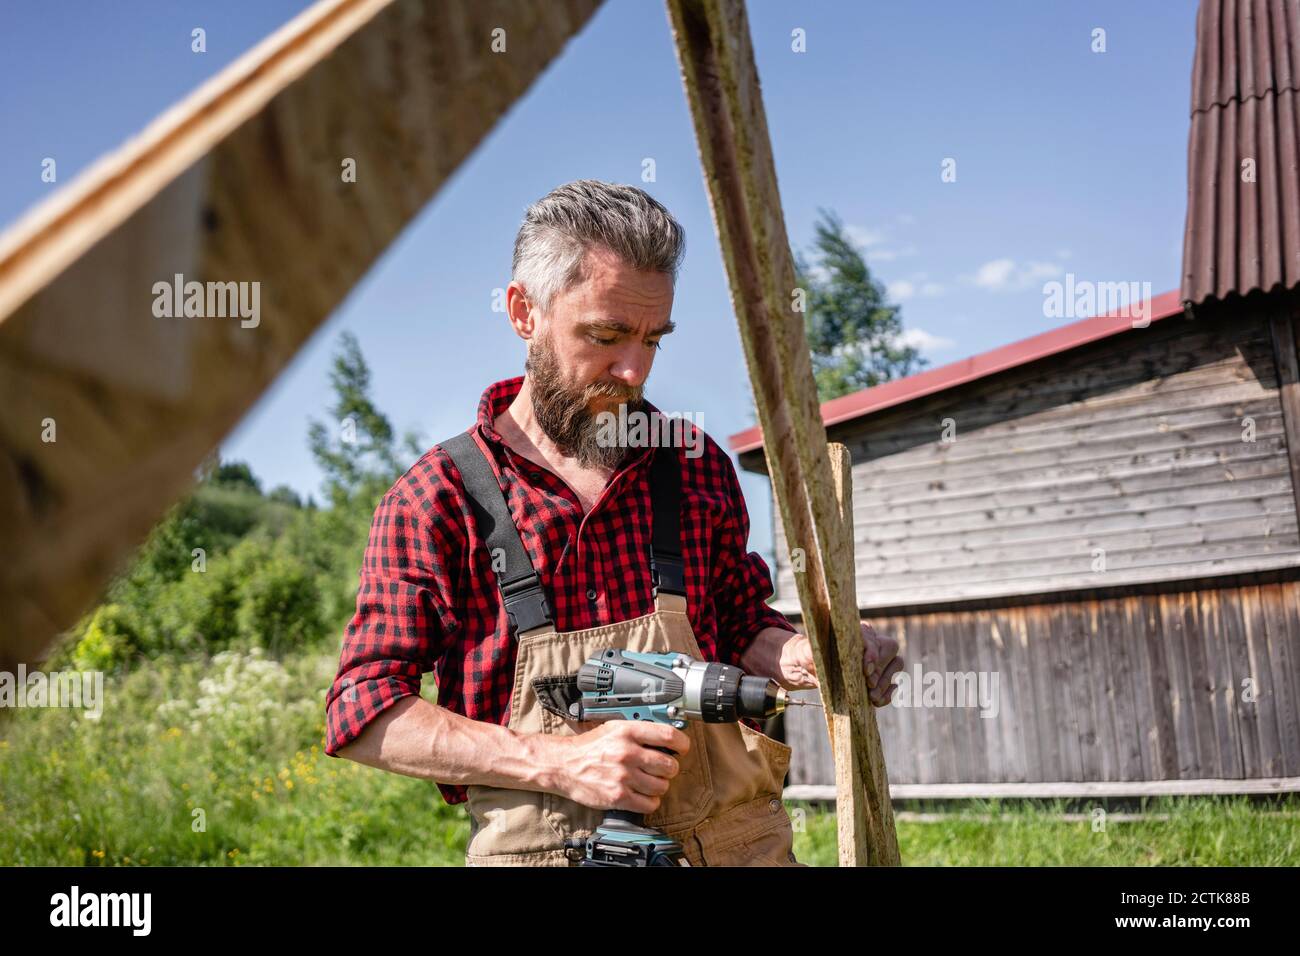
column 877, row 244
column 889, row 255
column 1004, row 275
column 918, row 339
column 995, row 274
column 914, row 285
column 900, row 291
column 1039, row 270
column 864, row 236
column 924, row 341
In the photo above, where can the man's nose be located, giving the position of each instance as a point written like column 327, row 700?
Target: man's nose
column 632, row 367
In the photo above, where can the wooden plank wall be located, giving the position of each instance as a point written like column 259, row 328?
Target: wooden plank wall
column 1134, row 445
column 1154, row 686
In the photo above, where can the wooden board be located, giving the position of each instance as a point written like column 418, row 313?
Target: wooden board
column 240, row 182
column 1083, row 696
column 1134, row 446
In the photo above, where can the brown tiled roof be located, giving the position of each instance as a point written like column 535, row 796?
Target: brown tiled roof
column 1242, row 236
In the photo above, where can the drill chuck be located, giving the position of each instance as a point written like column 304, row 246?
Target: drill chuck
column 721, row 694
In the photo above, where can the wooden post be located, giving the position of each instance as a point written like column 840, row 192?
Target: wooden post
column 289, row 173
column 810, row 480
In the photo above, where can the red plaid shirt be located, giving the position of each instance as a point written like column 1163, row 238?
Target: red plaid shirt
column 428, row 598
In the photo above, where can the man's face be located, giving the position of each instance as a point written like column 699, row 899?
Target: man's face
column 592, row 352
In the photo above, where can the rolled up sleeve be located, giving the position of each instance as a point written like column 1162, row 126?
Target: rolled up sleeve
column 741, row 583
column 400, row 628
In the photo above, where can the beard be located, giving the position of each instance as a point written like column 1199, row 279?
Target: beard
column 561, row 408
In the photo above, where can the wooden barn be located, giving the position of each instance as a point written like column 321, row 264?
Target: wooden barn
column 1086, row 541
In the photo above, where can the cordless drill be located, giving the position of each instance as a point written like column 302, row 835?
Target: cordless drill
column 666, row 688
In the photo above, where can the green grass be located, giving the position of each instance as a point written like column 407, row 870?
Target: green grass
column 239, row 738
column 1199, row 831
column 244, row 749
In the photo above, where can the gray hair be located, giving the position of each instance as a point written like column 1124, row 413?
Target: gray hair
column 563, row 225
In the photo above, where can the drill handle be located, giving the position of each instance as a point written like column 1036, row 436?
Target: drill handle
column 631, row 816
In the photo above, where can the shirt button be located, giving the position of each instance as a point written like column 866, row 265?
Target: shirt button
column 774, row 805
column 591, row 594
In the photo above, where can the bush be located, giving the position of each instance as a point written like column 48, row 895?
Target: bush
column 280, row 605
column 109, row 640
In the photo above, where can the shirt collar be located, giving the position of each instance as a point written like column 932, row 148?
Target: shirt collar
column 497, row 398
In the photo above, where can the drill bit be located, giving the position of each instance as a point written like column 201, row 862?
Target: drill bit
column 783, row 700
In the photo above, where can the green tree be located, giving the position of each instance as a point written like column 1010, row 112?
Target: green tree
column 358, row 451
column 854, row 334
column 286, row 496
column 235, row 474
column 361, row 459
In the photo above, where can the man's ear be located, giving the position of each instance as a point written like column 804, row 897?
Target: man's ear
column 521, row 312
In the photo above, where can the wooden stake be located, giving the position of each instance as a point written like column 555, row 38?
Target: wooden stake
column 721, row 80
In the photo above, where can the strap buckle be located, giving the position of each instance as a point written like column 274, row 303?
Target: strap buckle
column 668, row 574
column 526, row 604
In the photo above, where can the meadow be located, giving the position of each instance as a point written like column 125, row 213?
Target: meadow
column 217, row 761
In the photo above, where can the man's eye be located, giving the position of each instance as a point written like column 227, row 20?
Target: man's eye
column 656, row 344
column 599, row 341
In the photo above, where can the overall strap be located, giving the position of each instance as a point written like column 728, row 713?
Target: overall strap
column 520, row 584
column 667, row 569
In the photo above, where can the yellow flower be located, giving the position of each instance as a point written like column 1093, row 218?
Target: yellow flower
column 99, row 854
column 172, row 733
column 288, row 784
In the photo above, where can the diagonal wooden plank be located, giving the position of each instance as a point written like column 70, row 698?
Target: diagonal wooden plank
column 717, row 62
column 240, row 182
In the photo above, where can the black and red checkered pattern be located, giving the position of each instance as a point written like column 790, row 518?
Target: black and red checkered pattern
column 428, row 599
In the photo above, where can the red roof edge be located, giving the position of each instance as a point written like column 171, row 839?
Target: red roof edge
column 1036, row 347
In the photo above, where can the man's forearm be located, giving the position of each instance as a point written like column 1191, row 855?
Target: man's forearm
column 420, row 739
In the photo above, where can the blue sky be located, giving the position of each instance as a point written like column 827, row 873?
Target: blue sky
column 1068, row 160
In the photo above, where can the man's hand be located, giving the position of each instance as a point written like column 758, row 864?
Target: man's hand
column 796, row 669
column 613, row 766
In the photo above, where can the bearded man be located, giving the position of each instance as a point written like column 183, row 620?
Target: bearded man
column 594, row 272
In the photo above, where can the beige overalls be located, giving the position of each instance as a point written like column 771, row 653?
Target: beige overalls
column 724, row 806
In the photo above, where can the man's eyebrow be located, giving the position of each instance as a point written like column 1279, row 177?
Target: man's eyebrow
column 615, row 325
